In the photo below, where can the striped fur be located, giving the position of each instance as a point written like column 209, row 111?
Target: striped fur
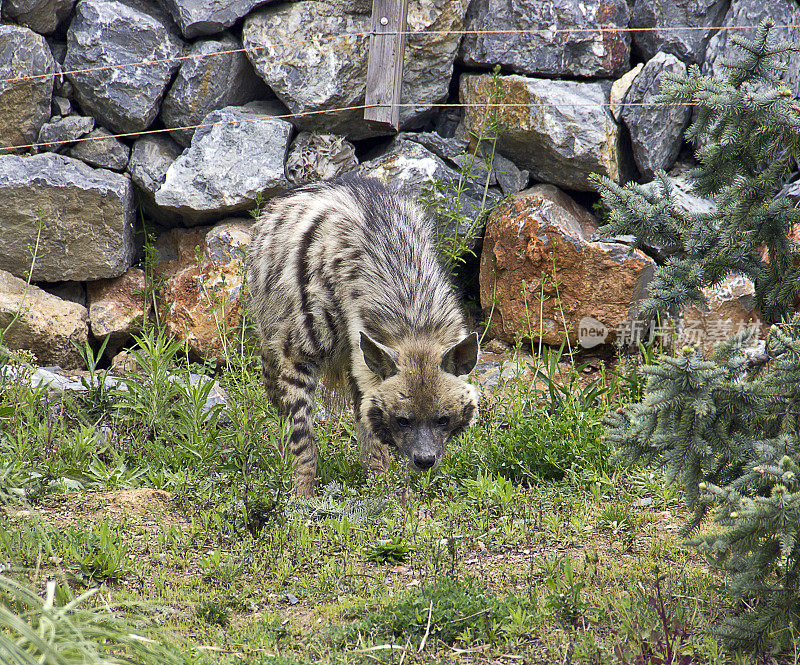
column 345, row 283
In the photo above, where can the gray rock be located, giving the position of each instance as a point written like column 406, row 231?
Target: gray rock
column 61, row 106
column 410, row 166
column 509, row 177
column 80, row 218
column 196, row 17
column 55, row 379
column 151, row 157
column 57, row 133
column 791, row 190
column 39, row 322
column 656, row 131
column 454, row 150
column 682, row 195
column 584, row 52
column 476, row 168
column 228, row 164
column 620, row 88
column 446, row 148
column 560, row 130
column 752, row 12
column 688, row 45
column 24, row 105
column 325, row 75
column 102, row 151
column 315, row 156
column 42, row 16
column 58, row 48
column 208, row 83
column 117, row 32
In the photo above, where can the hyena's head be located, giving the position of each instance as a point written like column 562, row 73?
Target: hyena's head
column 420, row 400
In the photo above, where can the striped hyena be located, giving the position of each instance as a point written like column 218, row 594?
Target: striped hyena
column 345, row 283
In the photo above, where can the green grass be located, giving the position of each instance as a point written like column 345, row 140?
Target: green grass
column 523, row 543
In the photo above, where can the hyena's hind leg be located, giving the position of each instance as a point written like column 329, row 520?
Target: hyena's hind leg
column 294, row 386
column 269, row 375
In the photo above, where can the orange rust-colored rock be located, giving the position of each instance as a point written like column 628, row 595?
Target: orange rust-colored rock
column 117, row 307
column 729, row 310
column 542, row 277
column 203, row 271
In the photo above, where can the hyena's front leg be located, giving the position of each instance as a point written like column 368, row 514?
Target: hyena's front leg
column 373, row 455
column 296, row 383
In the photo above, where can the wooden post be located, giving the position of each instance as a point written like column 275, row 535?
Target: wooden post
column 385, row 67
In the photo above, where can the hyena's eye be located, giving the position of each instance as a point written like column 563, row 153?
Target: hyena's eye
column 405, row 423
column 444, row 421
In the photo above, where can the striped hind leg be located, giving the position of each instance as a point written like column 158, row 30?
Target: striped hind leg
column 296, row 382
column 290, row 387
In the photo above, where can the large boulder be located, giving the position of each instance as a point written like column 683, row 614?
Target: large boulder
column 564, row 41
column 33, row 319
column 208, row 82
column 228, row 164
column 315, row 75
column 198, row 17
column 542, row 231
column 78, row 220
column 784, row 13
column 203, row 274
column 660, row 17
column 114, row 33
column 656, row 131
column 24, row 104
column 42, row 16
column 561, row 131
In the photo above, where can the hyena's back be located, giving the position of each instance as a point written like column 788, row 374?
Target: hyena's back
column 329, row 262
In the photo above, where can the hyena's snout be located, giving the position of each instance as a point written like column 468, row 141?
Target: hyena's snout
column 424, row 449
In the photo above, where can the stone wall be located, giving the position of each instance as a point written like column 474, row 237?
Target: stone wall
column 72, row 211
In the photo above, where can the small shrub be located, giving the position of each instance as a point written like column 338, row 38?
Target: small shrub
column 98, row 556
column 214, row 612
column 394, row 550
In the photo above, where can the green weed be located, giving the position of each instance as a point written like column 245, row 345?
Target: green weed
column 447, row 611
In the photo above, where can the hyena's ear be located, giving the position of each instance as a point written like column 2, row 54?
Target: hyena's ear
column 379, row 358
column 461, row 358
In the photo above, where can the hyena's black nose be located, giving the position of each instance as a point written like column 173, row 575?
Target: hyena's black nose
column 424, row 461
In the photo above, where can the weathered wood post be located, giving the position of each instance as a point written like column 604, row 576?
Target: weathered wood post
column 385, row 68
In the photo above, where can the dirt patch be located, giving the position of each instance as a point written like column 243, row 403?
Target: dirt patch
column 143, row 507
column 143, row 502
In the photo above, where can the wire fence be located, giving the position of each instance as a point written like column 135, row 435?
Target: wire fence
column 349, row 35
column 319, row 39
column 357, row 107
